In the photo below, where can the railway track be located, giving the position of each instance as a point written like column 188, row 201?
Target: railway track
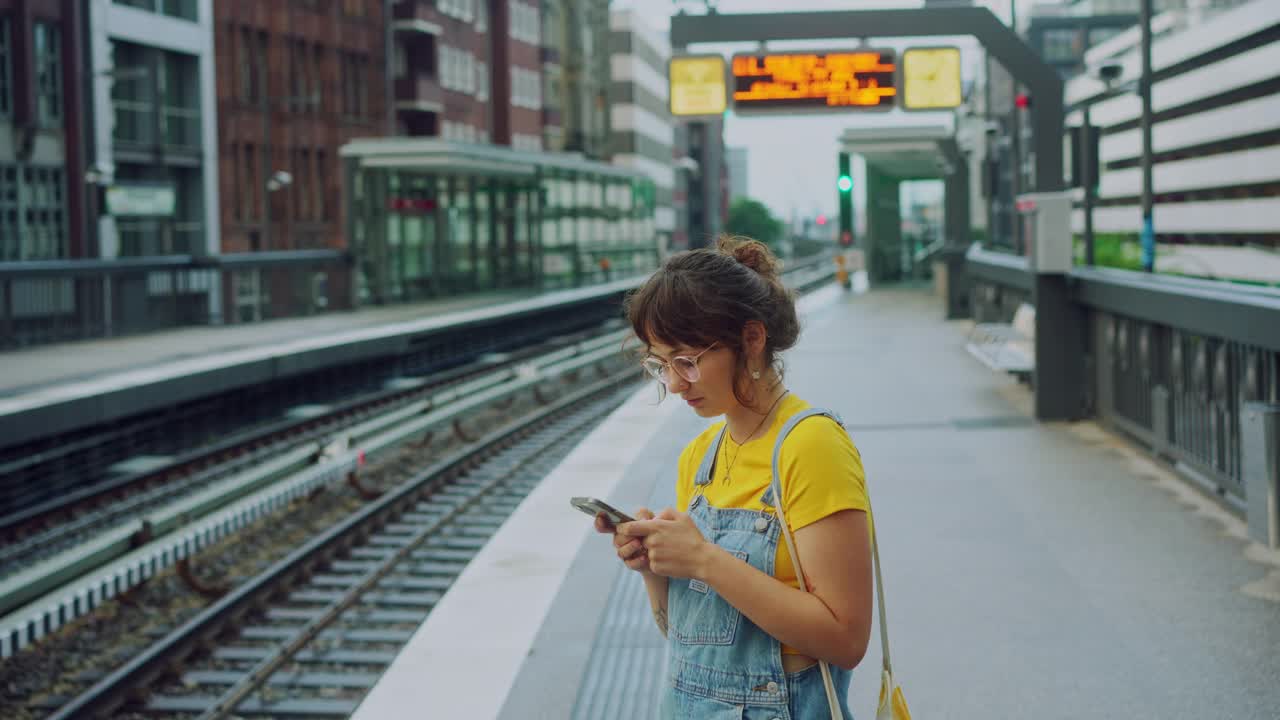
column 74, row 581
column 310, row 635
column 43, row 529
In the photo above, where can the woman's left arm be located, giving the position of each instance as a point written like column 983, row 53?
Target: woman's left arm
column 833, row 622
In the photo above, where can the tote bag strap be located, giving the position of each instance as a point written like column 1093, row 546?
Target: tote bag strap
column 832, row 700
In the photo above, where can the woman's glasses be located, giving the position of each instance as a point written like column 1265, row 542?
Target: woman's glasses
column 685, row 367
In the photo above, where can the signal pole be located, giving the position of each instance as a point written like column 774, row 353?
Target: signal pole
column 844, row 183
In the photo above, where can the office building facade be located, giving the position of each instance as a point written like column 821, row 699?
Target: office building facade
column 1215, row 135
column 155, row 128
column 642, row 131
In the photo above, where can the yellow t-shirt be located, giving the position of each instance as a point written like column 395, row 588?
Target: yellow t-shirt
column 819, row 468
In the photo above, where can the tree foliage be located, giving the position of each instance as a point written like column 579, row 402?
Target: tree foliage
column 751, row 218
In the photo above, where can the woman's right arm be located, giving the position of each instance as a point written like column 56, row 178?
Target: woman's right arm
column 631, row 551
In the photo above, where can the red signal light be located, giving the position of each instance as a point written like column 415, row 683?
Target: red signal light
column 822, row 219
column 1023, row 101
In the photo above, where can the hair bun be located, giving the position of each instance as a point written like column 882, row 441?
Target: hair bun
column 752, row 253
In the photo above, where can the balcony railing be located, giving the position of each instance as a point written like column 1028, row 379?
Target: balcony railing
column 419, row 91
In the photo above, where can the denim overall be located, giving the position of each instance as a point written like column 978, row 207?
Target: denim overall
column 720, row 664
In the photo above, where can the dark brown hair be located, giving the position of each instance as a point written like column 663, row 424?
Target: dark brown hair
column 708, row 295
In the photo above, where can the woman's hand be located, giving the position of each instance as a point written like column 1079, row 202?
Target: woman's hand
column 630, row 550
column 674, row 545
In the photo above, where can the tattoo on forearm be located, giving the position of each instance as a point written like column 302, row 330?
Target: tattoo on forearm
column 660, row 616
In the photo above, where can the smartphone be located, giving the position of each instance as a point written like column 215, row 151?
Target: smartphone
column 593, row 507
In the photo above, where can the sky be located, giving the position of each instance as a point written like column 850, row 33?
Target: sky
column 791, row 160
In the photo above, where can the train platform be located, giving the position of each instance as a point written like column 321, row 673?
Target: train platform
column 58, row 388
column 1033, row 570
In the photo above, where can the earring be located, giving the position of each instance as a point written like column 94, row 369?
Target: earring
column 755, row 374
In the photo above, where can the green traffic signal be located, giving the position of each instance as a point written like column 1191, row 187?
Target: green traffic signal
column 845, row 183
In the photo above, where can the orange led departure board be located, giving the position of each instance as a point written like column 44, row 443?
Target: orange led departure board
column 800, row 81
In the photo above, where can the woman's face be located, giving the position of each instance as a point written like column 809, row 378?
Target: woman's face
column 711, row 394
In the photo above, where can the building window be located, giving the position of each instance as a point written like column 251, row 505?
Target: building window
column 317, row 79
column 237, row 180
column 179, row 87
column 482, row 16
column 10, row 238
column 399, row 62
column 133, row 99
column 32, row 215
column 322, row 172
column 244, row 63
column 48, row 72
column 297, row 69
column 184, row 9
column 353, row 8
column 251, row 182
column 302, row 185
column 1062, row 45
column 482, row 81
column 355, row 84
column 252, row 59
column 6, row 78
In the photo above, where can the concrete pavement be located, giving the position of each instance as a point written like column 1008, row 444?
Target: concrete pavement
column 1033, row 570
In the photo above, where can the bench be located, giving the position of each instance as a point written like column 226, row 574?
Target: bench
column 1007, row 347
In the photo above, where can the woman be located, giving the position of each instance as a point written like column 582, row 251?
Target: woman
column 744, row 639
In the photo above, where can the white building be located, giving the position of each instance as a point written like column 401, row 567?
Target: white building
column 1216, row 129
column 152, row 89
column 642, row 131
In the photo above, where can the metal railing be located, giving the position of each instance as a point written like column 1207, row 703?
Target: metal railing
column 1172, row 361
column 60, row 300
column 1176, row 360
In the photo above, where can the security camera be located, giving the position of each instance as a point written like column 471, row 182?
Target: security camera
column 1109, row 72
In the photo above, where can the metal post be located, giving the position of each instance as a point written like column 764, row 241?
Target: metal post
column 1015, row 145
column 1144, row 89
column 1086, row 172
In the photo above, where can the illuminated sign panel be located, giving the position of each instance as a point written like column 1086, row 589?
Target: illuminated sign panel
column 803, row 81
column 697, row 85
column 931, row 78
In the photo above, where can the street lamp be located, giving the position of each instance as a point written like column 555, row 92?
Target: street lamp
column 279, row 179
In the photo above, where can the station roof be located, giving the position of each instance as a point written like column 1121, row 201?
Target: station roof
column 458, row 158
column 914, row 151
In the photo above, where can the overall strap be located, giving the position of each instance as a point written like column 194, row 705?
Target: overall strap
column 776, row 489
column 703, row 475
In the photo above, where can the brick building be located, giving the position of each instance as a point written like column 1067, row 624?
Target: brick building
column 296, row 79
column 468, row 71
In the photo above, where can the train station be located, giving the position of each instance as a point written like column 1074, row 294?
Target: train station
column 541, row 359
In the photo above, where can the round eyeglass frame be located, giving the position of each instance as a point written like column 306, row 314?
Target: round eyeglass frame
column 686, row 366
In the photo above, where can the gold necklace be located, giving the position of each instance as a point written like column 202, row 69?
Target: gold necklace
column 729, row 465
